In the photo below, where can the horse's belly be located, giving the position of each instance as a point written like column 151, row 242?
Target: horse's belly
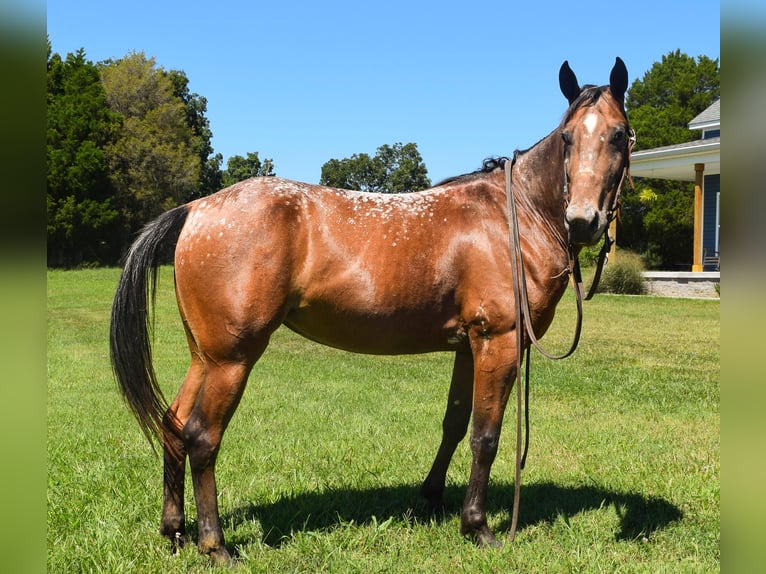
column 377, row 334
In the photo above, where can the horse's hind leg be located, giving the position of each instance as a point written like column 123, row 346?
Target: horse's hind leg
column 173, row 523
column 454, row 428
column 216, row 402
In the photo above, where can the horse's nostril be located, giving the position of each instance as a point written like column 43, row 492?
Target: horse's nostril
column 582, row 224
column 582, row 217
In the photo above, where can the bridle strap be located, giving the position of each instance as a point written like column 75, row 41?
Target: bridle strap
column 523, row 314
column 603, row 255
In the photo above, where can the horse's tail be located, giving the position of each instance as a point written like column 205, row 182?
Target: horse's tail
column 129, row 343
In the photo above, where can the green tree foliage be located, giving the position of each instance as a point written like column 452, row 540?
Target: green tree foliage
column 240, row 168
column 393, row 169
column 82, row 215
column 195, row 107
column 657, row 220
column 155, row 162
column 669, row 227
column 126, row 140
column 670, row 95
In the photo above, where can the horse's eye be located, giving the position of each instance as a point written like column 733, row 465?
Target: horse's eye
column 567, row 138
column 618, row 137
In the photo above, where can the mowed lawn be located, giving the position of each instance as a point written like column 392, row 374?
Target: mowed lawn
column 321, row 466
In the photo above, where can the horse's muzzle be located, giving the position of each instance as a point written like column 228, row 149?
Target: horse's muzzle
column 584, row 224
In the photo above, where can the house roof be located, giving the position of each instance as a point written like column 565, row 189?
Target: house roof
column 709, row 118
column 677, row 161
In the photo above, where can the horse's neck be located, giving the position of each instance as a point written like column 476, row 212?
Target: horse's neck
column 539, row 186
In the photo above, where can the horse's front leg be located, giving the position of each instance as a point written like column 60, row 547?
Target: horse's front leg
column 454, row 428
column 494, row 372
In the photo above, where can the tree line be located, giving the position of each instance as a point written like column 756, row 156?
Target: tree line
column 127, row 140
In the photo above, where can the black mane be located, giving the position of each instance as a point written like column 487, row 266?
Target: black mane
column 489, row 165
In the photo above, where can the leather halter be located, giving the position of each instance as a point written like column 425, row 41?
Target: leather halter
column 521, row 302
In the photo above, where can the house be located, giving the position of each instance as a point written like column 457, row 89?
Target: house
column 698, row 161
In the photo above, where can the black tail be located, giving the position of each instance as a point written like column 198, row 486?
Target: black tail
column 129, row 343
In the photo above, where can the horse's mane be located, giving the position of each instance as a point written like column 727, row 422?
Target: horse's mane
column 489, row 165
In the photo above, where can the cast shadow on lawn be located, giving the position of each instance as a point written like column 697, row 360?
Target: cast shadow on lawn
column 639, row 515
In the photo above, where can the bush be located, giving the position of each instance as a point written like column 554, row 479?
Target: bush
column 589, row 256
column 624, row 275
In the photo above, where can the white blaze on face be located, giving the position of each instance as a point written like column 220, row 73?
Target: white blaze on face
column 590, row 122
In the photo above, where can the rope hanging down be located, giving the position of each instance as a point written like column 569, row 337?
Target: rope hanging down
column 523, row 320
column 524, row 325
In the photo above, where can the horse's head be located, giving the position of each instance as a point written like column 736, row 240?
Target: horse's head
column 597, row 141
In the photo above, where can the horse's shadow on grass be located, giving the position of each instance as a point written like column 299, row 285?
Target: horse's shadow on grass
column 639, row 516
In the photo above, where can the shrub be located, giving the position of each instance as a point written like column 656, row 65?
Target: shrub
column 624, row 275
column 589, row 256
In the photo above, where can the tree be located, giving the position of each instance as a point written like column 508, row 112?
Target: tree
column 669, row 227
column 126, row 140
column 657, row 220
column 195, row 107
column 155, row 162
column 403, row 168
column 669, row 96
column 240, row 168
column 393, row 169
column 82, row 216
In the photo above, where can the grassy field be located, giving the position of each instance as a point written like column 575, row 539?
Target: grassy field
column 321, row 466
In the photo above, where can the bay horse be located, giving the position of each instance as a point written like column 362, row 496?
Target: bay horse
column 368, row 273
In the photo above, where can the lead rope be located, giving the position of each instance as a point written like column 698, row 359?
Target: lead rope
column 516, row 280
column 523, row 325
column 521, row 303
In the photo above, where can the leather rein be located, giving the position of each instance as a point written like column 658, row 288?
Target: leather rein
column 521, row 302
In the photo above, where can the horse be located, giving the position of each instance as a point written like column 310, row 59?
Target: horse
column 368, row 273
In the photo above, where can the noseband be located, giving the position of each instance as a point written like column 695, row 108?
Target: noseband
column 521, row 302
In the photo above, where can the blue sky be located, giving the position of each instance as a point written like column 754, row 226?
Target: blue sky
column 303, row 82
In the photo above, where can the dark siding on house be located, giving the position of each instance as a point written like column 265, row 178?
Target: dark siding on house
column 712, row 187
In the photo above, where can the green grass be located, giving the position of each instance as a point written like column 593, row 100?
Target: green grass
column 321, row 466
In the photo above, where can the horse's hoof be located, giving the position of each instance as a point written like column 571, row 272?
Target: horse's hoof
column 434, row 498
column 178, row 541
column 435, row 505
column 483, row 538
column 221, row 557
column 488, row 541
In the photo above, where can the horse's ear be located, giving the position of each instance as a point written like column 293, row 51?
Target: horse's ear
column 618, row 80
column 568, row 82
